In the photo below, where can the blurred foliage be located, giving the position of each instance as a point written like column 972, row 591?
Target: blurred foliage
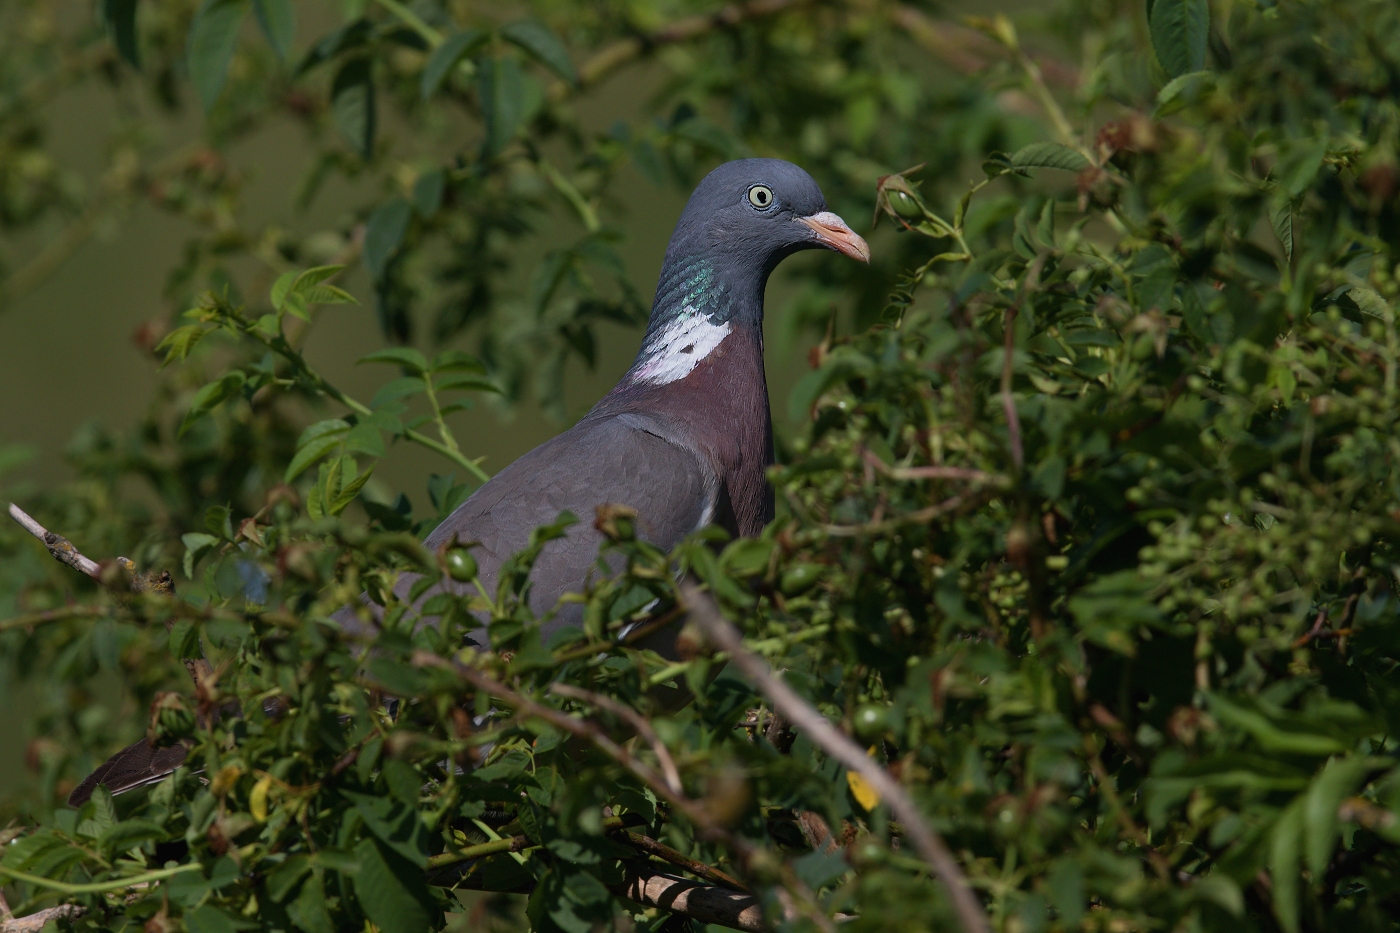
column 1090, row 536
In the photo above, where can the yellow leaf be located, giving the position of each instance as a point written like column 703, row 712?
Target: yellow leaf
column 223, row 781
column 257, row 800
column 865, row 793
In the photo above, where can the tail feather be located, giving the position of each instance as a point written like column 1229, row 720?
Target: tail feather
column 134, row 766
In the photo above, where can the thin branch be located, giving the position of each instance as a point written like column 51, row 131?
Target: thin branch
column 706, row 825
column 636, row 720
column 60, row 547
column 668, row 854
column 803, row 716
column 951, row 504
column 36, row 922
column 613, row 57
column 1008, row 401
column 64, row 552
column 98, row 887
column 52, row 615
column 933, row 472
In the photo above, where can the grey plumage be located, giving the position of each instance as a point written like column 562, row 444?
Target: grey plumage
column 685, row 436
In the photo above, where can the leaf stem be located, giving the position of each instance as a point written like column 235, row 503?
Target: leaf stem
column 96, row 887
column 413, row 21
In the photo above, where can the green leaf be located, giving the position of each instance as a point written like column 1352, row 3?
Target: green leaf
column 315, row 442
column 1179, row 30
column 184, row 634
column 348, row 491
column 122, row 837
column 445, row 56
column 1180, row 91
column 352, row 35
column 466, row 382
column 501, row 90
column 196, row 544
column 1050, row 155
column 295, row 291
column 278, row 23
column 119, row 16
column 352, row 103
column 1284, row 850
column 309, row 911
column 537, row 39
column 1281, row 219
column 177, row 344
column 211, row 396
column 407, row 357
column 391, row 890
column 1273, row 736
column 1299, row 164
column 384, row 232
column 213, row 35
column 208, row 919
column 1338, row 780
column 396, row 824
column 455, row 361
column 427, row 192
column 406, row 387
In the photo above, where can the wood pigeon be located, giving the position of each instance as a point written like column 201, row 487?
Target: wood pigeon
column 684, row 438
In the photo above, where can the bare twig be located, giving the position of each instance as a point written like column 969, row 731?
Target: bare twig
column 1008, row 401
column 32, row 619
column 635, row 720
column 951, row 504
column 60, row 547
column 64, row 552
column 933, row 472
column 36, row 922
column 706, row 826
column 668, row 854
column 613, row 57
column 803, row 716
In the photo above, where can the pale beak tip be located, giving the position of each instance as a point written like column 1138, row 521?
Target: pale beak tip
column 835, row 233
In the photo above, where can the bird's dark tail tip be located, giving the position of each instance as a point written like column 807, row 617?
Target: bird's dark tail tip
column 134, row 766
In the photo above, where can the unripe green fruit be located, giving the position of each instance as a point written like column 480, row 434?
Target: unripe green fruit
column 904, row 205
column 871, row 721
column 799, row 578
column 461, row 566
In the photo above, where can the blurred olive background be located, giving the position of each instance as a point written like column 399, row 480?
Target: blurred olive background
column 100, row 252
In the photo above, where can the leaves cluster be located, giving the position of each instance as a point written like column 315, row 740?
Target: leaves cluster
column 1090, row 539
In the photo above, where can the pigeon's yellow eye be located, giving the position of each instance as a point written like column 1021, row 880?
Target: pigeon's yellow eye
column 761, row 196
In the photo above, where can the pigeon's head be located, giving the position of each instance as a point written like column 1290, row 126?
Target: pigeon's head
column 752, row 213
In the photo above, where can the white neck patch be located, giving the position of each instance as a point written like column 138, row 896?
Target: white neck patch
column 680, row 347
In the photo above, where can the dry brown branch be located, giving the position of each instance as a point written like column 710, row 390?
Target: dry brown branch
column 60, row 547
column 36, row 922
column 635, row 720
column 707, row 827
column 611, row 58
column 932, row 472
column 803, row 716
column 64, row 552
column 1008, row 401
column 951, row 504
column 668, row 854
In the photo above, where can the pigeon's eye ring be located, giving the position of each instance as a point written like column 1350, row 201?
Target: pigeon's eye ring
column 761, row 197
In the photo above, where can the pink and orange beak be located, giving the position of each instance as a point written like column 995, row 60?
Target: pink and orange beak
column 834, row 233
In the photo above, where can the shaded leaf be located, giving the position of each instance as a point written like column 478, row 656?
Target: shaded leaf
column 1179, row 31
column 541, row 42
column 352, row 103
column 445, row 57
column 212, row 38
